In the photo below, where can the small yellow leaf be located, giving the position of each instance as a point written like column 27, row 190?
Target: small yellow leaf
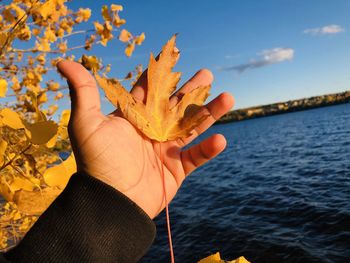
column 59, row 96
column 52, row 109
column 42, row 98
column 3, row 38
column 130, row 49
column 41, row 132
column 116, row 8
column 3, row 146
column 27, row 184
column 53, row 86
column 50, row 35
column 62, row 47
column 3, row 88
column 35, row 202
column 52, row 142
column 124, row 35
column 47, row 8
column 90, row 63
column 5, row 191
column 105, row 13
column 59, row 175
column 139, row 39
column 83, row 14
column 65, row 115
column 3, row 239
column 11, row 119
column 215, row 258
column 42, row 45
column 36, row 31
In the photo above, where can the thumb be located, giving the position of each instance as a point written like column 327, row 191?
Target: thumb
column 82, row 86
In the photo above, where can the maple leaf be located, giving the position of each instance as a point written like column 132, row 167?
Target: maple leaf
column 156, row 119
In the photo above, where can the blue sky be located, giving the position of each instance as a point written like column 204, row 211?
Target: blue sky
column 260, row 51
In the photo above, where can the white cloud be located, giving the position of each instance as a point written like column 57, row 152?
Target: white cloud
column 326, row 30
column 267, row 57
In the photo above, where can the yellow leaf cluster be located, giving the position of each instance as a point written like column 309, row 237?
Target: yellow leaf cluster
column 83, row 15
column 104, row 31
column 111, row 14
column 126, row 36
column 91, row 63
column 31, row 173
column 156, row 118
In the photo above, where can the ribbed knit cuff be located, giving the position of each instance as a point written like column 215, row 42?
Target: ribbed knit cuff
column 89, row 222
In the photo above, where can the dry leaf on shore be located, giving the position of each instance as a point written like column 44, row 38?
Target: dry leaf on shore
column 215, row 258
column 155, row 118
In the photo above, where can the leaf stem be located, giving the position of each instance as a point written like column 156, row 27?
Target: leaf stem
column 166, row 206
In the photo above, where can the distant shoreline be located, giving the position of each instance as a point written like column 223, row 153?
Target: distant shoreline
column 285, row 107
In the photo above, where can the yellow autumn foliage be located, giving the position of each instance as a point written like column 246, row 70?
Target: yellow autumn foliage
column 32, row 137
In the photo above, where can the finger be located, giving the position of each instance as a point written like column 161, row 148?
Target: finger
column 82, row 87
column 139, row 90
column 215, row 109
column 203, row 77
column 201, row 153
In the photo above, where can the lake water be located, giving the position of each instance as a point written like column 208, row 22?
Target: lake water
column 279, row 193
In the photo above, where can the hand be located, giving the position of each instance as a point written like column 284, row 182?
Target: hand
column 112, row 150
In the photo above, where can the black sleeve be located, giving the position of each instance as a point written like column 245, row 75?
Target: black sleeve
column 89, row 222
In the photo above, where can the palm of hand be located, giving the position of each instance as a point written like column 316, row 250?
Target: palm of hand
column 112, row 150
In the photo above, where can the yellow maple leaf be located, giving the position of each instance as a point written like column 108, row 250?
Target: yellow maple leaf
column 155, row 118
column 3, row 88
